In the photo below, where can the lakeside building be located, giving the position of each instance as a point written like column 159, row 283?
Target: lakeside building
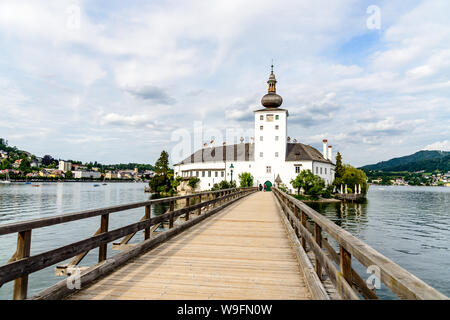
column 86, row 174
column 64, row 166
column 271, row 157
column 111, row 175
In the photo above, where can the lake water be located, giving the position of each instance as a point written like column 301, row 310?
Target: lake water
column 410, row 225
column 19, row 202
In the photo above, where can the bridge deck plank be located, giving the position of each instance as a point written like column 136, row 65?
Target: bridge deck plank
column 240, row 253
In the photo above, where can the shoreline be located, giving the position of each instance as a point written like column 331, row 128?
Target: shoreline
column 76, row 181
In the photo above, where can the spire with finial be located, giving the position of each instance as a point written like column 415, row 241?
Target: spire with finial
column 272, row 99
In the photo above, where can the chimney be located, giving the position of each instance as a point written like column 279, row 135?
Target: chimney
column 330, row 153
column 325, row 141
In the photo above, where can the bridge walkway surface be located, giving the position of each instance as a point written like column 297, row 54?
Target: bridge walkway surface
column 242, row 252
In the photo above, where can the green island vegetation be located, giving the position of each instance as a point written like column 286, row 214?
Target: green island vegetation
column 311, row 187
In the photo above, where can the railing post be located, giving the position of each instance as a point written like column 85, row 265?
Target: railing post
column 187, row 205
column 147, row 217
column 318, row 238
column 303, row 215
column 346, row 264
column 23, row 251
column 199, row 210
column 296, row 210
column 103, row 228
column 172, row 205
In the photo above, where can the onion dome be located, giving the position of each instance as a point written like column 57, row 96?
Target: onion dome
column 272, row 99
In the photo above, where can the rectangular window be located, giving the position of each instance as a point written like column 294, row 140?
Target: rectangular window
column 217, row 174
column 269, row 117
column 320, row 170
column 325, row 170
column 261, row 117
column 276, row 154
column 317, row 170
column 277, row 127
column 298, row 169
column 261, row 138
column 222, row 174
column 277, row 117
column 261, row 154
column 198, row 174
column 261, row 127
column 268, row 169
column 276, row 138
column 203, row 173
column 209, row 173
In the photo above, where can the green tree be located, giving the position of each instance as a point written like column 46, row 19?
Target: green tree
column 25, row 165
column 6, row 164
column 339, row 169
column 245, row 180
column 162, row 164
column 163, row 180
column 353, row 176
column 176, row 182
column 68, row 175
column 224, row 185
column 193, row 181
column 311, row 184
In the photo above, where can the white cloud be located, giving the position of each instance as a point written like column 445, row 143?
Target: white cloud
column 439, row 145
column 128, row 68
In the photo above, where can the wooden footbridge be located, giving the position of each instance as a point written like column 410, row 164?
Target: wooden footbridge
column 227, row 244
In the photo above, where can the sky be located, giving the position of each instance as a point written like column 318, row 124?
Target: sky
column 120, row 81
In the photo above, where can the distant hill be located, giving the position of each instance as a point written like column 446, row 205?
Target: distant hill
column 422, row 160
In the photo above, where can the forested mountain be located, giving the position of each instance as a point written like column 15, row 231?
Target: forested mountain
column 422, row 160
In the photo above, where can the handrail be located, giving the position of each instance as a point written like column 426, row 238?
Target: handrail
column 401, row 282
column 50, row 221
column 22, row 264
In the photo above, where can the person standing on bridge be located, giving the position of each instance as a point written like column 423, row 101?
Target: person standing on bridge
column 260, row 187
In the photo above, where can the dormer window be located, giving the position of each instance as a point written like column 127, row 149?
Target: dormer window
column 261, row 127
column 277, row 127
column 277, row 117
column 261, row 117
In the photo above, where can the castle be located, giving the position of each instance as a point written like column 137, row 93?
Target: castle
column 271, row 158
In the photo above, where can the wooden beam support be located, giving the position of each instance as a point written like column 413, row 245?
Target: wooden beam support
column 318, row 238
column 172, row 205
column 304, row 222
column 147, row 216
column 346, row 264
column 102, row 251
column 23, row 251
column 187, row 213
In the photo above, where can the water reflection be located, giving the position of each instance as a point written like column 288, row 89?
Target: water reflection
column 350, row 216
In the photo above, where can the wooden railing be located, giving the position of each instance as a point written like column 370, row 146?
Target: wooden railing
column 22, row 264
column 312, row 236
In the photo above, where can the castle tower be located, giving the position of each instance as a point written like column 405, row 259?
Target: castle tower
column 270, row 134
